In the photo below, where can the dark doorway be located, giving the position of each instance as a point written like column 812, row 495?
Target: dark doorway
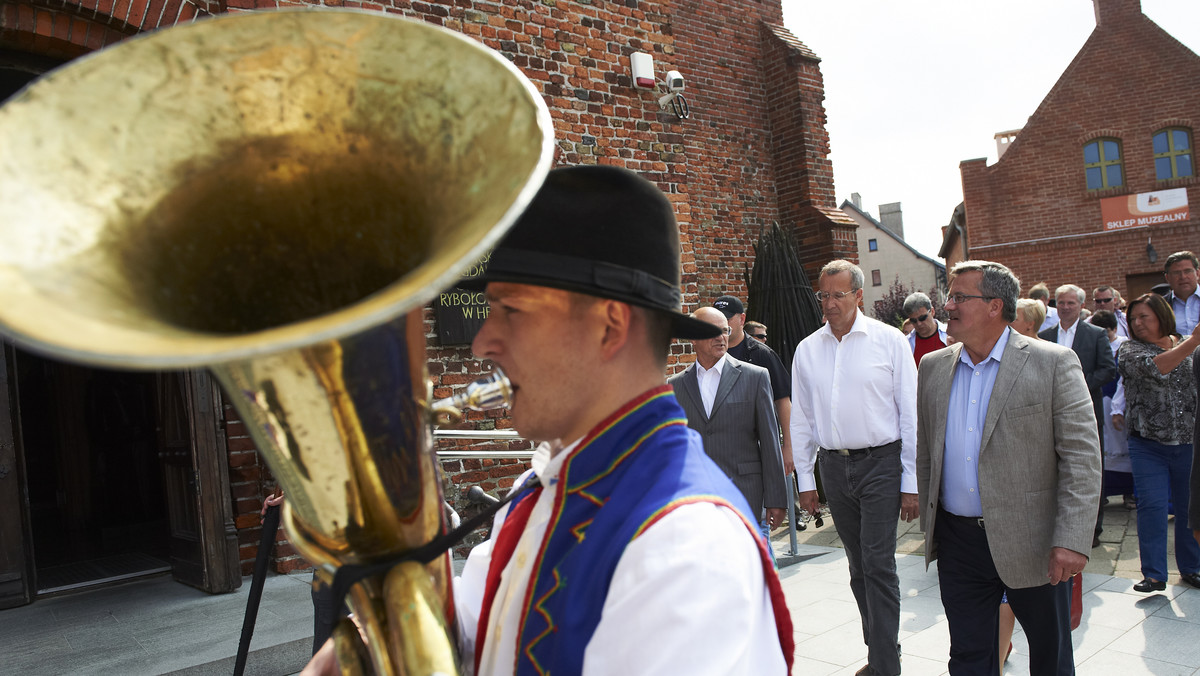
column 98, row 511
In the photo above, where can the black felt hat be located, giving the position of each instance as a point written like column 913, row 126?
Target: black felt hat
column 602, row 231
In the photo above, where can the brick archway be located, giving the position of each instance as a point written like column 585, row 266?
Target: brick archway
column 65, row 30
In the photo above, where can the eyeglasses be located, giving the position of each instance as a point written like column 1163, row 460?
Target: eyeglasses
column 836, row 295
column 959, row 298
column 726, row 331
column 1104, row 300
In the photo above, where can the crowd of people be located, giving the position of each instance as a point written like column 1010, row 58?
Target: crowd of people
column 636, row 544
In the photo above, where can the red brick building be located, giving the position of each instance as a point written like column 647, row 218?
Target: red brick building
column 1115, row 134
column 96, row 465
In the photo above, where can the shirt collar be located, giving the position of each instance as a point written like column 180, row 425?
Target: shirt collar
column 700, row 370
column 859, row 326
column 995, row 354
column 548, row 458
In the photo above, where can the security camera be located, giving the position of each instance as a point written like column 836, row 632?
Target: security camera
column 675, row 81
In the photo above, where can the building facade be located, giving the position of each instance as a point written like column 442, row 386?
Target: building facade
column 886, row 259
column 187, row 488
column 1100, row 185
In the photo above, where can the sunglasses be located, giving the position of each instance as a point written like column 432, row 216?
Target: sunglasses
column 920, row 319
column 760, row 336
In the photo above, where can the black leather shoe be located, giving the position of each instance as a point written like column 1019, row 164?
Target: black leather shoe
column 1192, row 579
column 1095, row 541
column 1148, row 585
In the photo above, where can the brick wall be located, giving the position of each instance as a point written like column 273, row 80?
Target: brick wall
column 753, row 152
column 1032, row 210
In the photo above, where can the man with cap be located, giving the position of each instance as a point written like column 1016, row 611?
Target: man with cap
column 629, row 550
column 759, row 354
column 729, row 403
column 626, row 549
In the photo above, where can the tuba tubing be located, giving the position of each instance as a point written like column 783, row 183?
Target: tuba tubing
column 276, row 195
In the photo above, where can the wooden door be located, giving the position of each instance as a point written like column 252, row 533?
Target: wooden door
column 203, row 545
column 16, row 558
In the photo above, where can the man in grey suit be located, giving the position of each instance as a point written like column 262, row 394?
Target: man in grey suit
column 1090, row 344
column 729, row 403
column 1008, row 470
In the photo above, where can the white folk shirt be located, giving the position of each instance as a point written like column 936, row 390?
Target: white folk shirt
column 709, row 381
column 1066, row 337
column 687, row 597
column 858, row 392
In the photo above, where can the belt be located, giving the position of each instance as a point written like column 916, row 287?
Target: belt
column 972, row 520
column 846, row 452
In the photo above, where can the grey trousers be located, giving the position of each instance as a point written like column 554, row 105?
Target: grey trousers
column 863, row 491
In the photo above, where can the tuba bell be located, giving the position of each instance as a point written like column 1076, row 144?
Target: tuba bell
column 275, row 196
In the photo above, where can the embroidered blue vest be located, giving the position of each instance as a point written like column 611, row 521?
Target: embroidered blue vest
column 630, row 471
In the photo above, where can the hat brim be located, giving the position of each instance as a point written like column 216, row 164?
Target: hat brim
column 682, row 325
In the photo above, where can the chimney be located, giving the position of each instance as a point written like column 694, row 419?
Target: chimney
column 1110, row 13
column 892, row 219
column 856, row 200
column 1003, row 140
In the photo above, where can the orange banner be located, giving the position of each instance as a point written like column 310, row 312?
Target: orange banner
column 1147, row 208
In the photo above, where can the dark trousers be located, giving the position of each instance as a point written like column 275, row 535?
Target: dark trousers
column 864, row 498
column 971, row 590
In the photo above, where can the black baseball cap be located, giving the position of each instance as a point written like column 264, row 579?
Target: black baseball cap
column 729, row 306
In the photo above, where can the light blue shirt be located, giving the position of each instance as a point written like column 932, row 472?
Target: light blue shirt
column 969, row 396
column 1187, row 313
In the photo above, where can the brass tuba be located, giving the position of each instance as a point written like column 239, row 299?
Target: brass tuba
column 276, row 196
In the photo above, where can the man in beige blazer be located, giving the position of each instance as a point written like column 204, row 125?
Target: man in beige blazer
column 1008, row 472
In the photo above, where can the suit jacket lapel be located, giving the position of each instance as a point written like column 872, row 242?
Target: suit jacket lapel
column 729, row 376
column 691, row 388
column 1012, row 362
column 944, row 375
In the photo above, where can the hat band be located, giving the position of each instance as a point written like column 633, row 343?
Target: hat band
column 606, row 278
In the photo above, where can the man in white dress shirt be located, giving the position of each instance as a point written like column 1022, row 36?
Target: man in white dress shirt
column 854, row 395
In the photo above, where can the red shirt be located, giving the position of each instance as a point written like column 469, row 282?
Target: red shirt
column 926, row 345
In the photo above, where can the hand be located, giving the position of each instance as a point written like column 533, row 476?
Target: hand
column 323, row 663
column 789, row 462
column 1064, row 564
column 808, row 501
column 1119, row 420
column 271, row 501
column 775, row 516
column 910, row 506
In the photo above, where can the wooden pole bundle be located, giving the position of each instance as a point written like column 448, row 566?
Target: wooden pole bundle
column 779, row 294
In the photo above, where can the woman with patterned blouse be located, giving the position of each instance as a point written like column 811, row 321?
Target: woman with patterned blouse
column 1160, row 410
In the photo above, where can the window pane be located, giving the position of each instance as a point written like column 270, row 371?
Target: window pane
column 1184, row 164
column 1181, row 140
column 1112, row 151
column 1094, row 180
column 1114, row 175
column 1162, row 168
column 1160, row 143
column 872, row 245
column 1091, row 153
column 876, row 278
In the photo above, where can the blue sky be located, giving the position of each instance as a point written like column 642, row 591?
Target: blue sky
column 914, row 87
